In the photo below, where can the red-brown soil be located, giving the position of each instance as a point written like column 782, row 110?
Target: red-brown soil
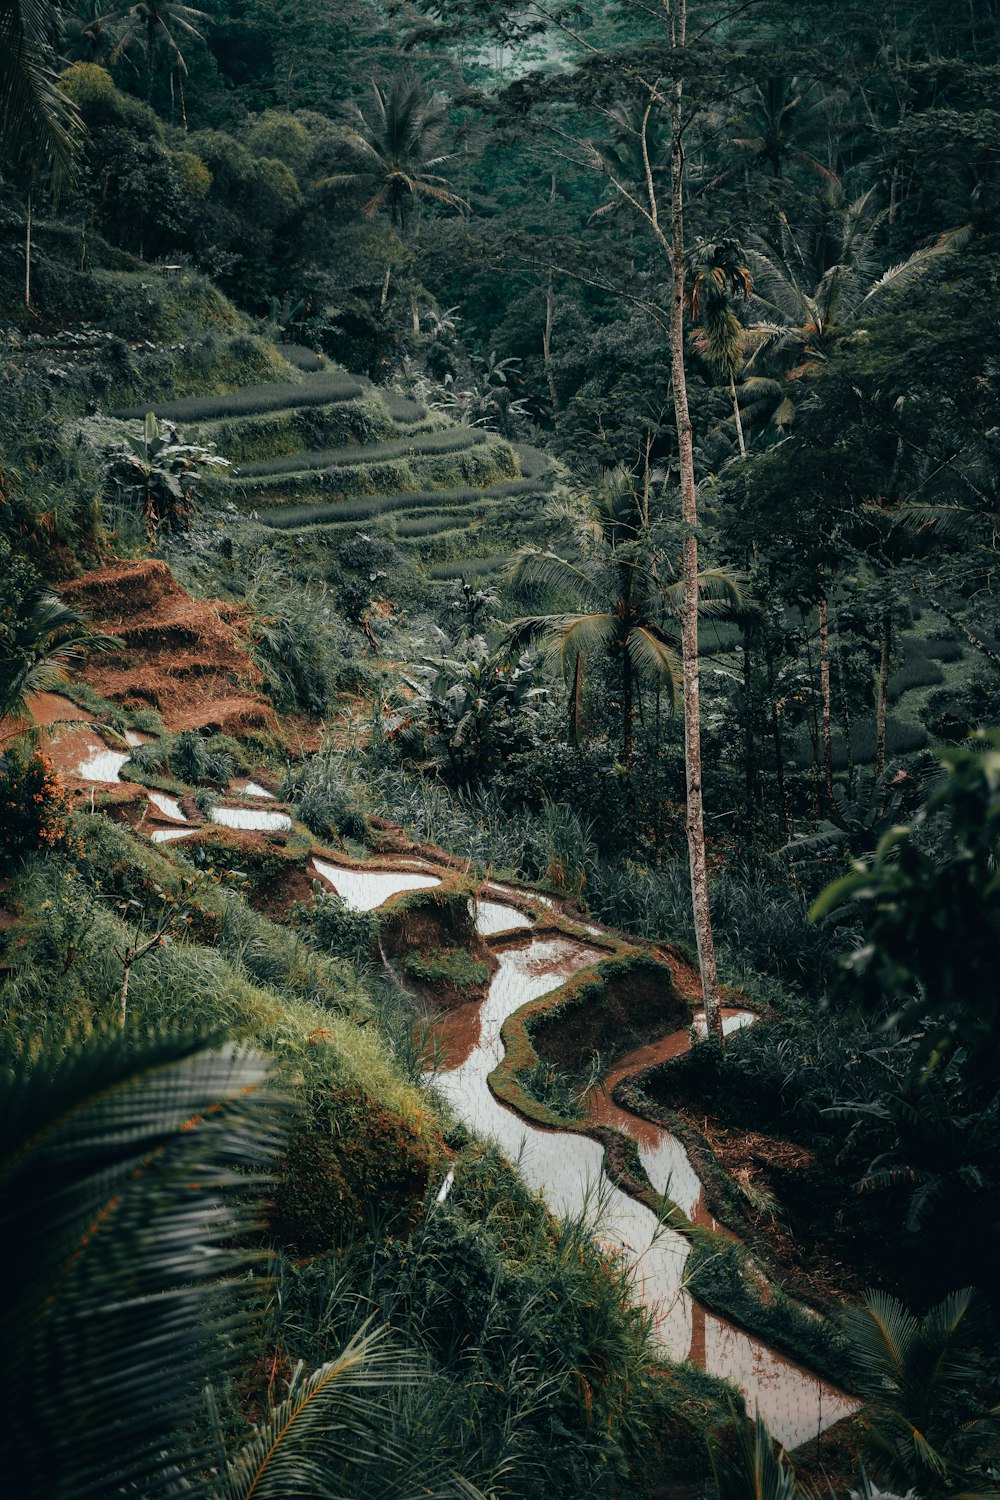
column 187, row 658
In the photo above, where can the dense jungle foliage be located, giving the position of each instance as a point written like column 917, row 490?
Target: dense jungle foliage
column 585, row 414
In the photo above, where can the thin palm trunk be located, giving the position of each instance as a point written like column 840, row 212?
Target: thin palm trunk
column 779, row 755
column 695, row 821
column 547, row 347
column 882, row 696
column 628, row 734
column 27, row 255
column 824, row 690
column 736, row 414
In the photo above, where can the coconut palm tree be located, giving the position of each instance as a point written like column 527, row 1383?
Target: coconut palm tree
column 813, row 290
column 719, row 279
column 397, row 148
column 87, row 33
column 628, row 595
column 39, row 644
column 147, row 22
column 784, row 111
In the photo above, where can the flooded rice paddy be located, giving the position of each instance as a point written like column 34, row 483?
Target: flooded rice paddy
column 567, row 1168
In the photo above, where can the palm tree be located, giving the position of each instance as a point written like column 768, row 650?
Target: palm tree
column 630, row 598
column 718, row 280
column 87, row 33
column 396, row 148
column 39, row 125
column 783, row 109
column 814, row 289
column 39, row 645
column 927, row 1430
column 149, row 20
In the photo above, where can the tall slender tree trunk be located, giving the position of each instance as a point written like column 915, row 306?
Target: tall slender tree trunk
column 736, row 414
column 824, row 692
column 27, row 254
column 695, row 821
column 814, row 728
column 628, row 729
column 779, row 754
column 882, row 693
column 150, row 43
column 547, row 347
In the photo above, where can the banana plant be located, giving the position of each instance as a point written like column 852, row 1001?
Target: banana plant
column 159, row 473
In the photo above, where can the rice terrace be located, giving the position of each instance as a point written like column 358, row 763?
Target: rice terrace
column 500, row 749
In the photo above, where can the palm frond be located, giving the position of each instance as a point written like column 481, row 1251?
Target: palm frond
column 655, row 659
column 126, row 1204
column 39, row 124
column 330, row 1424
column 547, row 570
column 881, row 1332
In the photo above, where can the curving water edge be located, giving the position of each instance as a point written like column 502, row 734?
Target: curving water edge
column 567, row 1169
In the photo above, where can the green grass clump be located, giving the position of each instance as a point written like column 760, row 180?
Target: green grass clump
column 330, row 385
column 302, row 358
column 450, row 441
column 402, row 408
column 454, row 967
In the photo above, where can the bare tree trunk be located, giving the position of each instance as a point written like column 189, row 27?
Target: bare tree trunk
column 882, row 695
column 814, row 731
column 689, row 620
column 779, row 756
column 739, row 420
column 385, row 288
column 123, row 1003
column 27, row 255
column 628, row 736
column 824, row 692
column 547, row 347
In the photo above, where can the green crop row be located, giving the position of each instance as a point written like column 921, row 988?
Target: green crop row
column 277, row 434
column 452, row 440
column 369, row 507
column 316, row 390
column 480, row 466
column 469, row 567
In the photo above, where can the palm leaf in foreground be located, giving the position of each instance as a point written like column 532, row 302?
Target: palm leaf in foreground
column 127, row 1185
column 755, row 1471
column 334, row 1437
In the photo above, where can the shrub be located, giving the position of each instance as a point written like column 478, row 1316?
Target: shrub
column 332, row 925
column 192, row 757
column 34, row 808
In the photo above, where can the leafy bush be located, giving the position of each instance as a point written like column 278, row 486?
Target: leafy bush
column 333, row 926
column 192, row 757
column 34, row 807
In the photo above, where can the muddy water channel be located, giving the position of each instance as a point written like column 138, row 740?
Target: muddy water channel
column 567, row 1168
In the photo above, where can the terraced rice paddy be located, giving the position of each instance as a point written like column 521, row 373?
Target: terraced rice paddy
column 332, row 451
